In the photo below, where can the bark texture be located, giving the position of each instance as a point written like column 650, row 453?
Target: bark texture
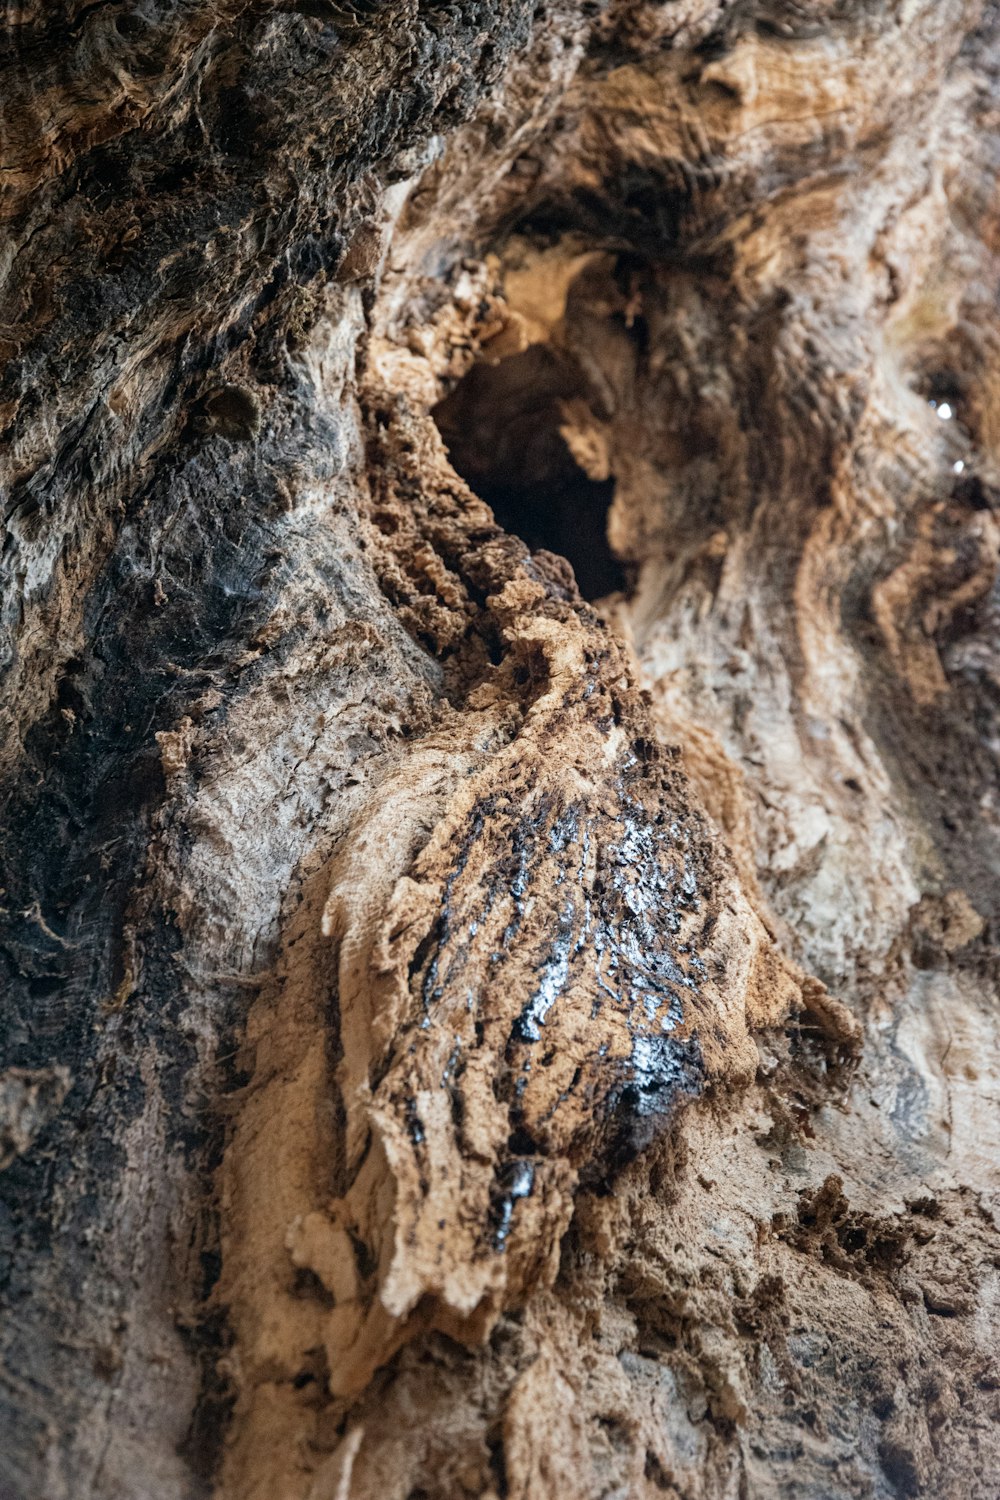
column 499, row 750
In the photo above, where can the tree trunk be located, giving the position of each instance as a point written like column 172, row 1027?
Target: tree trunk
column 499, row 745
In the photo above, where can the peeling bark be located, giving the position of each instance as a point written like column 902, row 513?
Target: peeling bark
column 499, row 750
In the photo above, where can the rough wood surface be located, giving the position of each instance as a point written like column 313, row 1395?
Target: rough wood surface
column 461, row 1037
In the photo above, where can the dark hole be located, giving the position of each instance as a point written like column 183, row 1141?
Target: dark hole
column 129, row 26
column 307, row 1284
column 616, row 1432
column 366, row 1261
column 498, row 1465
column 44, row 985
column 943, row 385
column 501, row 426
column 521, row 1142
column 233, row 411
column 971, row 491
column 655, row 1471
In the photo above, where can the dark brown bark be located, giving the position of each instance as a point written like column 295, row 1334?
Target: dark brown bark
column 500, row 750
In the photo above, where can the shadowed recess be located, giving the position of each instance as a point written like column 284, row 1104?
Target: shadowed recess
column 502, row 426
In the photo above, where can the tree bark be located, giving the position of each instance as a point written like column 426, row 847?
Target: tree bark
column 499, row 750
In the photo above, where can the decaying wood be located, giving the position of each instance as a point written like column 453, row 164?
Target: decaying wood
column 461, row 1037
